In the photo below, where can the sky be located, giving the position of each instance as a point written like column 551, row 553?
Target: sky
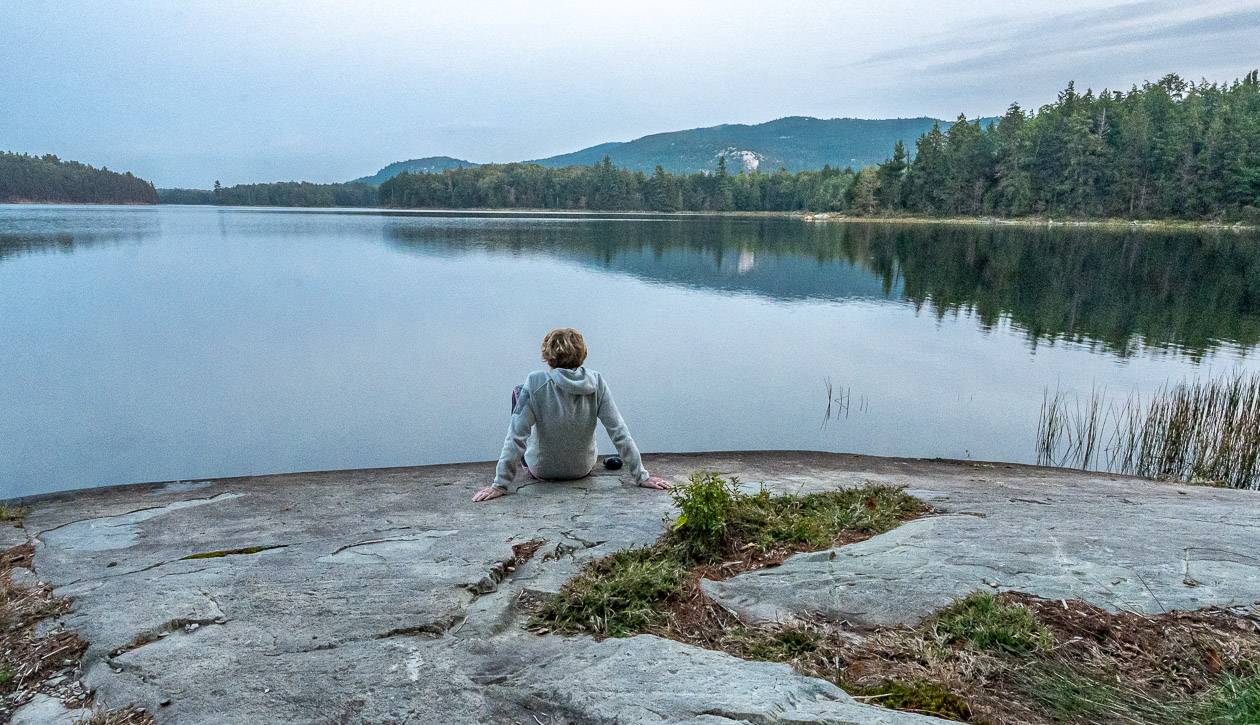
column 184, row 93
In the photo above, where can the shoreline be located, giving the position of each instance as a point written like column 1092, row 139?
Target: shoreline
column 28, row 202
column 806, row 216
column 1048, row 222
column 190, row 483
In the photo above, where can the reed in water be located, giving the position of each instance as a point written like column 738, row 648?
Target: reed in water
column 1206, row 431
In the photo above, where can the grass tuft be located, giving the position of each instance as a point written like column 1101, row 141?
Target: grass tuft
column 12, row 514
column 783, row 645
column 923, row 697
column 916, row 696
column 985, row 622
column 718, row 521
column 1235, row 701
column 1068, row 694
column 618, row 595
column 706, row 506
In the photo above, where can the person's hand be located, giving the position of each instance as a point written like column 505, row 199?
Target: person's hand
column 488, row 493
column 657, row 483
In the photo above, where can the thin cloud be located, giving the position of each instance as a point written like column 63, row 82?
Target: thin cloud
column 1103, row 20
column 1158, row 28
column 1032, row 52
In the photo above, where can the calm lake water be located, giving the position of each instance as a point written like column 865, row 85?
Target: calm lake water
column 142, row 343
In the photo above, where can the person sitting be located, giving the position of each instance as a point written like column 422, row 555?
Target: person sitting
column 560, row 407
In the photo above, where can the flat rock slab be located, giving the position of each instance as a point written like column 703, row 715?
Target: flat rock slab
column 387, row 596
column 45, row 710
column 1120, row 544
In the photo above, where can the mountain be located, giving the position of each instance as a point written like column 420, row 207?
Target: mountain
column 796, row 143
column 426, row 165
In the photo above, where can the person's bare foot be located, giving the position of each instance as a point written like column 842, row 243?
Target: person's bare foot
column 488, row 493
column 657, row 483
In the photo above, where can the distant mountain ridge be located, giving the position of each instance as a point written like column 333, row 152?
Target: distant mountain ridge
column 796, row 143
column 426, row 165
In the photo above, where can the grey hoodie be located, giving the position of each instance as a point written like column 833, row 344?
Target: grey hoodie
column 553, row 425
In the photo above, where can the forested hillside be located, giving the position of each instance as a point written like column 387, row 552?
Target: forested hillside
column 1171, row 149
column 26, row 178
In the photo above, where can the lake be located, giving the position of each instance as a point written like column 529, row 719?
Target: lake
column 163, row 343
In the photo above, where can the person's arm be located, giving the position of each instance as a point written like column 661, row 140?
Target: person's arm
column 620, row 435
column 513, row 447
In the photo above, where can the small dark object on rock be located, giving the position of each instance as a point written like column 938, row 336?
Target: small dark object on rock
column 165, row 702
column 612, row 463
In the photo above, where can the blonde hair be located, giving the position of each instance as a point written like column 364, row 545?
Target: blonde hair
column 564, row 347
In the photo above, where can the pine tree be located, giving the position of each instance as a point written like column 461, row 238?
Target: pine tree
column 928, row 174
column 891, row 175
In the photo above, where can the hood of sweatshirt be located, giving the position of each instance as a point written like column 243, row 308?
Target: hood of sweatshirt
column 574, row 381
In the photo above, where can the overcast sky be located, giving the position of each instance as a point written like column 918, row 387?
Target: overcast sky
column 184, row 93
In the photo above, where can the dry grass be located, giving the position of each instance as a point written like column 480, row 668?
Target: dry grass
column 1093, row 666
column 121, row 716
column 29, row 660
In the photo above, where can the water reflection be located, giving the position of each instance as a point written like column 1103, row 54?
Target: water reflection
column 56, row 229
column 1119, row 290
column 152, row 344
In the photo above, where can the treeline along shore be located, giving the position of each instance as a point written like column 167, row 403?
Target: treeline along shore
column 1169, row 150
column 26, row 178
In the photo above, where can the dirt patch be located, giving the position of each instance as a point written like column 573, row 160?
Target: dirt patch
column 1100, row 667
column 523, row 552
column 1179, row 652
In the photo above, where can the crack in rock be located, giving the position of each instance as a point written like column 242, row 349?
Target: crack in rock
column 586, row 543
column 432, row 629
column 499, row 571
column 383, row 549
column 248, row 550
column 118, row 531
column 242, row 551
column 563, row 548
column 165, row 629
